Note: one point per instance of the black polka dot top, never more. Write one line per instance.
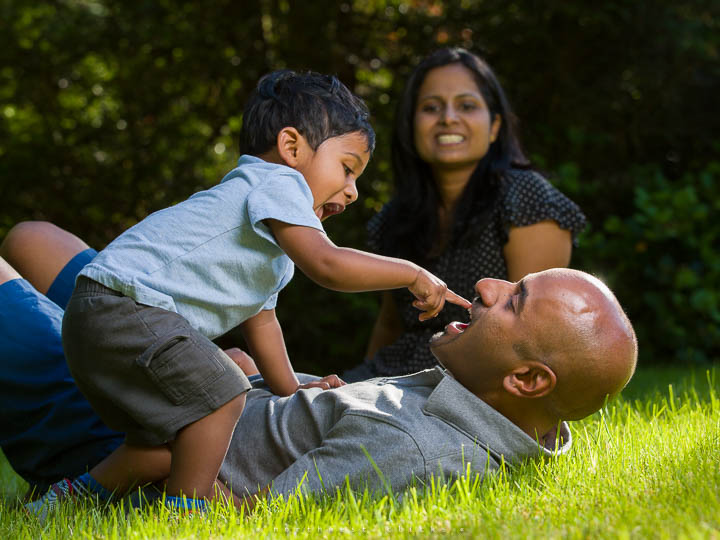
(527, 198)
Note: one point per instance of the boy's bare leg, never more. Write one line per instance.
(129, 465)
(199, 449)
(38, 250)
(191, 465)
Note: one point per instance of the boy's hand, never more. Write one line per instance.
(431, 293)
(326, 383)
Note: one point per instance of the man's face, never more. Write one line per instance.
(505, 317)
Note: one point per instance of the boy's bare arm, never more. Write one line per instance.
(264, 338)
(352, 270)
(337, 268)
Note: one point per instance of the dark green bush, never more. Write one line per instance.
(111, 109)
(663, 262)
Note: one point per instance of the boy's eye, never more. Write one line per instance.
(468, 106)
(348, 170)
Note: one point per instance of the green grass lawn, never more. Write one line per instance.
(647, 466)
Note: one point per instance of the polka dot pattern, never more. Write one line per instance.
(527, 198)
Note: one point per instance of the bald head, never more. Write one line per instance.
(554, 344)
(593, 349)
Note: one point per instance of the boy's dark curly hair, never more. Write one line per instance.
(318, 106)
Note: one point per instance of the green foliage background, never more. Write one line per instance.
(110, 110)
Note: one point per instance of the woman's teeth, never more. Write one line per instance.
(450, 139)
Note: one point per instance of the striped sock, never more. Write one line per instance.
(90, 486)
(185, 503)
(83, 486)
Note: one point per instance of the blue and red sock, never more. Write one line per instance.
(84, 486)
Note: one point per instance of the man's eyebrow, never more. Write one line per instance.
(523, 296)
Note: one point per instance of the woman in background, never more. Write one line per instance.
(466, 204)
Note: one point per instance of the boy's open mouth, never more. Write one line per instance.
(329, 209)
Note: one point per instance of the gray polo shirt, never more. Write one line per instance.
(414, 427)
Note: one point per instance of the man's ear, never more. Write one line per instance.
(531, 380)
(290, 145)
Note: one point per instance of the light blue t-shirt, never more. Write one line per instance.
(210, 258)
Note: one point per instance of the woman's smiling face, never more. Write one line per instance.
(453, 125)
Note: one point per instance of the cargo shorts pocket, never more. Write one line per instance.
(180, 366)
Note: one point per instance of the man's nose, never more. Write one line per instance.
(490, 289)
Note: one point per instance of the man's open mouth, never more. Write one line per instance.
(456, 327)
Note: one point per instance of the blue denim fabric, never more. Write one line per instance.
(48, 429)
(61, 289)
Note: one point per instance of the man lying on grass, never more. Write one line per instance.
(549, 348)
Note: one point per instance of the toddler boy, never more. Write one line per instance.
(137, 331)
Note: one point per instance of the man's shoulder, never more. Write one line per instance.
(421, 404)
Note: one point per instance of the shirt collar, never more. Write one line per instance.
(459, 407)
(247, 158)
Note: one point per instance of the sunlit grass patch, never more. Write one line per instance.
(646, 466)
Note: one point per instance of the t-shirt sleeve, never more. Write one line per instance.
(530, 198)
(284, 197)
(271, 302)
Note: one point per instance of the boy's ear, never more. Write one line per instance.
(531, 380)
(290, 145)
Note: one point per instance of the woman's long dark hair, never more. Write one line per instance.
(413, 219)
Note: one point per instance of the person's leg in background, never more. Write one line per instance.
(48, 430)
(48, 257)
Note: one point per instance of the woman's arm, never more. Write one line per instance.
(536, 247)
(388, 326)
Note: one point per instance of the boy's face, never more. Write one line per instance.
(332, 169)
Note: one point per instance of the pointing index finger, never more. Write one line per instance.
(457, 299)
